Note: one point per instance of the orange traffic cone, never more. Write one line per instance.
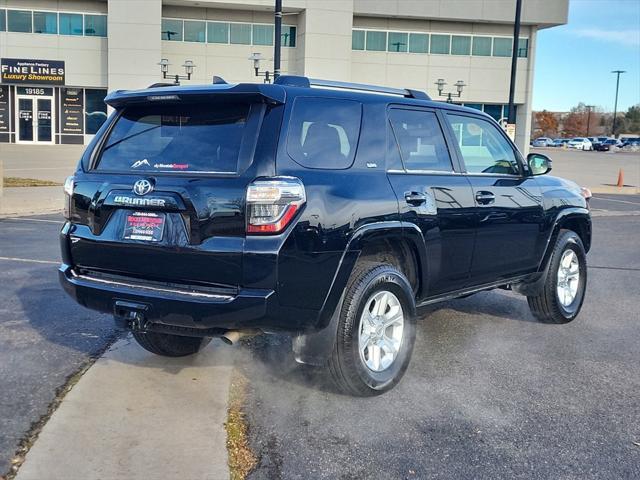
(620, 178)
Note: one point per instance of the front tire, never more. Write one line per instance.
(376, 331)
(565, 283)
(167, 345)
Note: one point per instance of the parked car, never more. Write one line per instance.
(594, 141)
(628, 142)
(228, 210)
(607, 145)
(559, 142)
(542, 142)
(580, 143)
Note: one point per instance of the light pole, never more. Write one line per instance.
(615, 106)
(514, 63)
(588, 107)
(188, 68)
(256, 57)
(458, 93)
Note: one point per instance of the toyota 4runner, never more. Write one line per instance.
(327, 210)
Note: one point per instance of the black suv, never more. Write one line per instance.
(331, 211)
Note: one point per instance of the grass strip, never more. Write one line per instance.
(241, 459)
(28, 182)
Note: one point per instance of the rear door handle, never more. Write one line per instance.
(485, 198)
(415, 198)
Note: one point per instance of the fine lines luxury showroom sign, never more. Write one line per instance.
(27, 71)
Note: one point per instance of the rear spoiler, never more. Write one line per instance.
(252, 92)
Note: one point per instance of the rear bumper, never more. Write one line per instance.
(249, 308)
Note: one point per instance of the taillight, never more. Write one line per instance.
(272, 203)
(69, 184)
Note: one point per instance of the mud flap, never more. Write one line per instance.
(316, 347)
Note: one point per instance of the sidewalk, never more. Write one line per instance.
(135, 415)
(31, 200)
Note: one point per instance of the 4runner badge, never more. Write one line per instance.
(142, 187)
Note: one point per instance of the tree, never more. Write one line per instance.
(632, 119)
(574, 123)
(547, 123)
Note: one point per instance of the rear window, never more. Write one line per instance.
(176, 138)
(323, 132)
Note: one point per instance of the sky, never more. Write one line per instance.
(574, 61)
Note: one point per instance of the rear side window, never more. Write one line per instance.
(175, 138)
(421, 140)
(323, 132)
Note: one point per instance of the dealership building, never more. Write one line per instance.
(59, 58)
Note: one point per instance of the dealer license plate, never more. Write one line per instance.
(146, 226)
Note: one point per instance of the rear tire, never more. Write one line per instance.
(373, 347)
(167, 345)
(565, 284)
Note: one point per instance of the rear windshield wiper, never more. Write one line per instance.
(130, 137)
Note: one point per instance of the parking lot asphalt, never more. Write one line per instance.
(490, 392)
(44, 335)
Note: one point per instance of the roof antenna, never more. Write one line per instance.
(218, 80)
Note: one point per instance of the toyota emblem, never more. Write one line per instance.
(142, 187)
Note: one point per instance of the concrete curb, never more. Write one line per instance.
(135, 415)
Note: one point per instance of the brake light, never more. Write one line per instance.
(69, 185)
(272, 203)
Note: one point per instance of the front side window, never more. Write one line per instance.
(95, 25)
(323, 132)
(19, 21)
(45, 22)
(421, 141)
(176, 138)
(484, 149)
(70, 24)
(195, 31)
(171, 30)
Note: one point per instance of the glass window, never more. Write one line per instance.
(440, 43)
(263, 34)
(70, 23)
(376, 41)
(218, 32)
(502, 47)
(398, 42)
(418, 43)
(357, 40)
(523, 47)
(45, 22)
(460, 45)
(19, 21)
(421, 141)
(288, 36)
(195, 31)
(95, 110)
(95, 25)
(240, 33)
(495, 111)
(483, 147)
(186, 137)
(323, 133)
(171, 30)
(476, 106)
(482, 46)
(3, 20)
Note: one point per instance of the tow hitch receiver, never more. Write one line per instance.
(130, 315)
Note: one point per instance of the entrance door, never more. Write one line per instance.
(35, 116)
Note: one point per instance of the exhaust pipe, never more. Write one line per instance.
(231, 337)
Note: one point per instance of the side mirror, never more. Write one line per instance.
(539, 164)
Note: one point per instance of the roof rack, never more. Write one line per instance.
(304, 82)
